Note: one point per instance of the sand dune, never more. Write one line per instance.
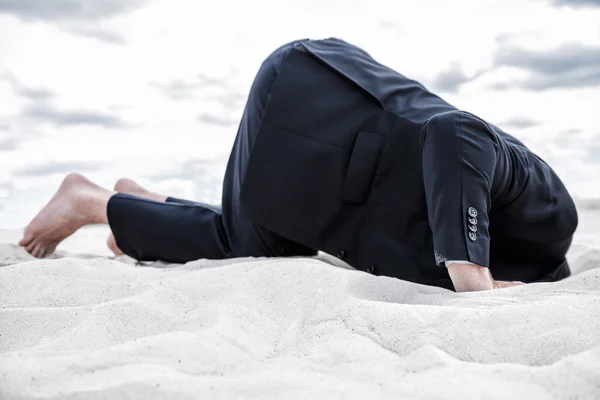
(83, 327)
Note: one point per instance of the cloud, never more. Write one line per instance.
(230, 100)
(40, 109)
(27, 92)
(573, 131)
(571, 65)
(196, 170)
(80, 17)
(206, 174)
(48, 114)
(178, 89)
(216, 119)
(103, 35)
(451, 79)
(577, 3)
(8, 144)
(206, 80)
(504, 85)
(68, 10)
(6, 190)
(57, 167)
(390, 26)
(520, 122)
(592, 152)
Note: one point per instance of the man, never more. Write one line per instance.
(338, 153)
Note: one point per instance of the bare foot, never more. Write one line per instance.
(506, 284)
(112, 245)
(77, 202)
(129, 186)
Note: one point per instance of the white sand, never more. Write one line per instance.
(82, 327)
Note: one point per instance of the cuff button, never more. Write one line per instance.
(473, 221)
(472, 212)
(472, 228)
(473, 236)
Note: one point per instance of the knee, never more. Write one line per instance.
(442, 130)
(267, 73)
(277, 56)
(457, 125)
(443, 122)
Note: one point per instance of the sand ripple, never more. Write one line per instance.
(91, 328)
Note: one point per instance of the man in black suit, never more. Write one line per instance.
(336, 152)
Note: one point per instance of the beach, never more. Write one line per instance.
(84, 325)
(154, 91)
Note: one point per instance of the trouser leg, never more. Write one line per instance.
(174, 232)
(246, 237)
(176, 200)
(181, 231)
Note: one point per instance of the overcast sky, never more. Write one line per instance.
(145, 87)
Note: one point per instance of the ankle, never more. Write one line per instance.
(90, 205)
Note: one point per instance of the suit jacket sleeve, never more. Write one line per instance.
(459, 153)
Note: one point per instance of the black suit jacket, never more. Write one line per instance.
(337, 166)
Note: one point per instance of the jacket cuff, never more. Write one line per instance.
(450, 262)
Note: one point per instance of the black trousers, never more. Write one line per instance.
(179, 231)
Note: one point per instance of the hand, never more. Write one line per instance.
(505, 284)
(472, 277)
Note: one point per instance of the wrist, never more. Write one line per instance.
(470, 277)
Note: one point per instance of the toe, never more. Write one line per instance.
(36, 251)
(50, 249)
(27, 239)
(125, 185)
(41, 251)
(31, 246)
